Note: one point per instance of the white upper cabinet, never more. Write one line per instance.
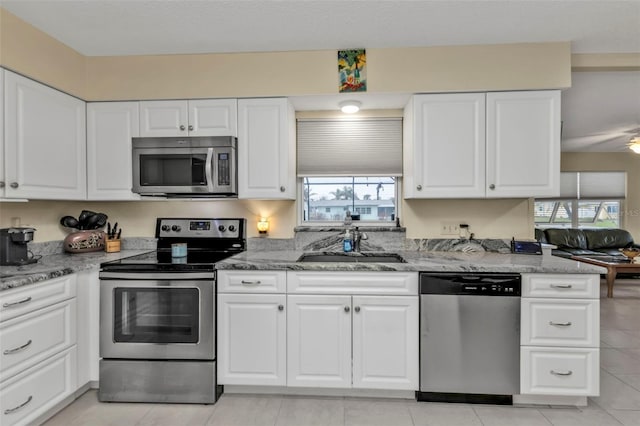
(205, 117)
(523, 144)
(266, 149)
(477, 145)
(110, 127)
(45, 142)
(445, 153)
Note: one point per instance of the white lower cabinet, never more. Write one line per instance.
(319, 341)
(560, 335)
(340, 341)
(38, 365)
(252, 339)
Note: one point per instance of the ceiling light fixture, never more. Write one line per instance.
(634, 144)
(350, 107)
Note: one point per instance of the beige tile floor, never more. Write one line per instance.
(618, 404)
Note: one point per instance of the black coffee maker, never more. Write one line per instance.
(13, 246)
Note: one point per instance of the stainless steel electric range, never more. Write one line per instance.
(158, 314)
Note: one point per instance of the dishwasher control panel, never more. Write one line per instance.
(480, 284)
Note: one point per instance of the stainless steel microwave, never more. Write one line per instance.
(185, 167)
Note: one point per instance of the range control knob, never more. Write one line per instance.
(165, 228)
(221, 228)
(176, 228)
(232, 228)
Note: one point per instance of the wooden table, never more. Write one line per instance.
(613, 267)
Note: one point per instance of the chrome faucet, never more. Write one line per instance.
(357, 236)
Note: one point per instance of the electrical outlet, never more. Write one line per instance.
(449, 228)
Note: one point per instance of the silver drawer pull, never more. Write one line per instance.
(561, 373)
(560, 324)
(18, 349)
(561, 286)
(11, 410)
(19, 302)
(250, 282)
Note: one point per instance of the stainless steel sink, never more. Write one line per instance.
(352, 257)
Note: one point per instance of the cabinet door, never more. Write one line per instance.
(445, 155)
(213, 117)
(88, 327)
(252, 339)
(163, 118)
(319, 341)
(385, 342)
(110, 127)
(523, 144)
(45, 142)
(266, 149)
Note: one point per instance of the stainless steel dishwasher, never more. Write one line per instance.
(469, 337)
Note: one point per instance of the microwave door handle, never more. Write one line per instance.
(208, 169)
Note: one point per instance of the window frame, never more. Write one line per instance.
(359, 223)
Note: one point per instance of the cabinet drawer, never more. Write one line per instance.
(25, 397)
(563, 371)
(560, 322)
(28, 298)
(334, 282)
(561, 285)
(31, 338)
(252, 281)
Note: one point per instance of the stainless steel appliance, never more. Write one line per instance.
(158, 317)
(13, 246)
(187, 167)
(469, 337)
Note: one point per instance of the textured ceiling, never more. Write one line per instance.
(139, 27)
(601, 112)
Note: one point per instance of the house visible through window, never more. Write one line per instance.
(587, 200)
(327, 199)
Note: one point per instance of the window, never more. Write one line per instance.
(327, 199)
(587, 200)
(577, 214)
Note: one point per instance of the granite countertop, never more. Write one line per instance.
(423, 261)
(57, 265)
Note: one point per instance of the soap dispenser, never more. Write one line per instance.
(347, 243)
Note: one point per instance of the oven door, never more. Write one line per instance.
(164, 318)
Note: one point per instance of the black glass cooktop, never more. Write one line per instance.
(200, 260)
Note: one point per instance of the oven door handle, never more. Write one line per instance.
(157, 276)
(208, 169)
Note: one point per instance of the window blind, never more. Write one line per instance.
(592, 186)
(364, 147)
(602, 185)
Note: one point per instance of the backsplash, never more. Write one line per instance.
(55, 247)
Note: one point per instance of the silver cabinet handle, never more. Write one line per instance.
(14, 185)
(419, 187)
(2, 184)
(19, 302)
(357, 309)
(561, 286)
(250, 282)
(347, 309)
(492, 186)
(182, 127)
(280, 307)
(190, 127)
(561, 373)
(282, 189)
(11, 410)
(560, 324)
(18, 349)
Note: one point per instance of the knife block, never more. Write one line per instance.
(112, 246)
